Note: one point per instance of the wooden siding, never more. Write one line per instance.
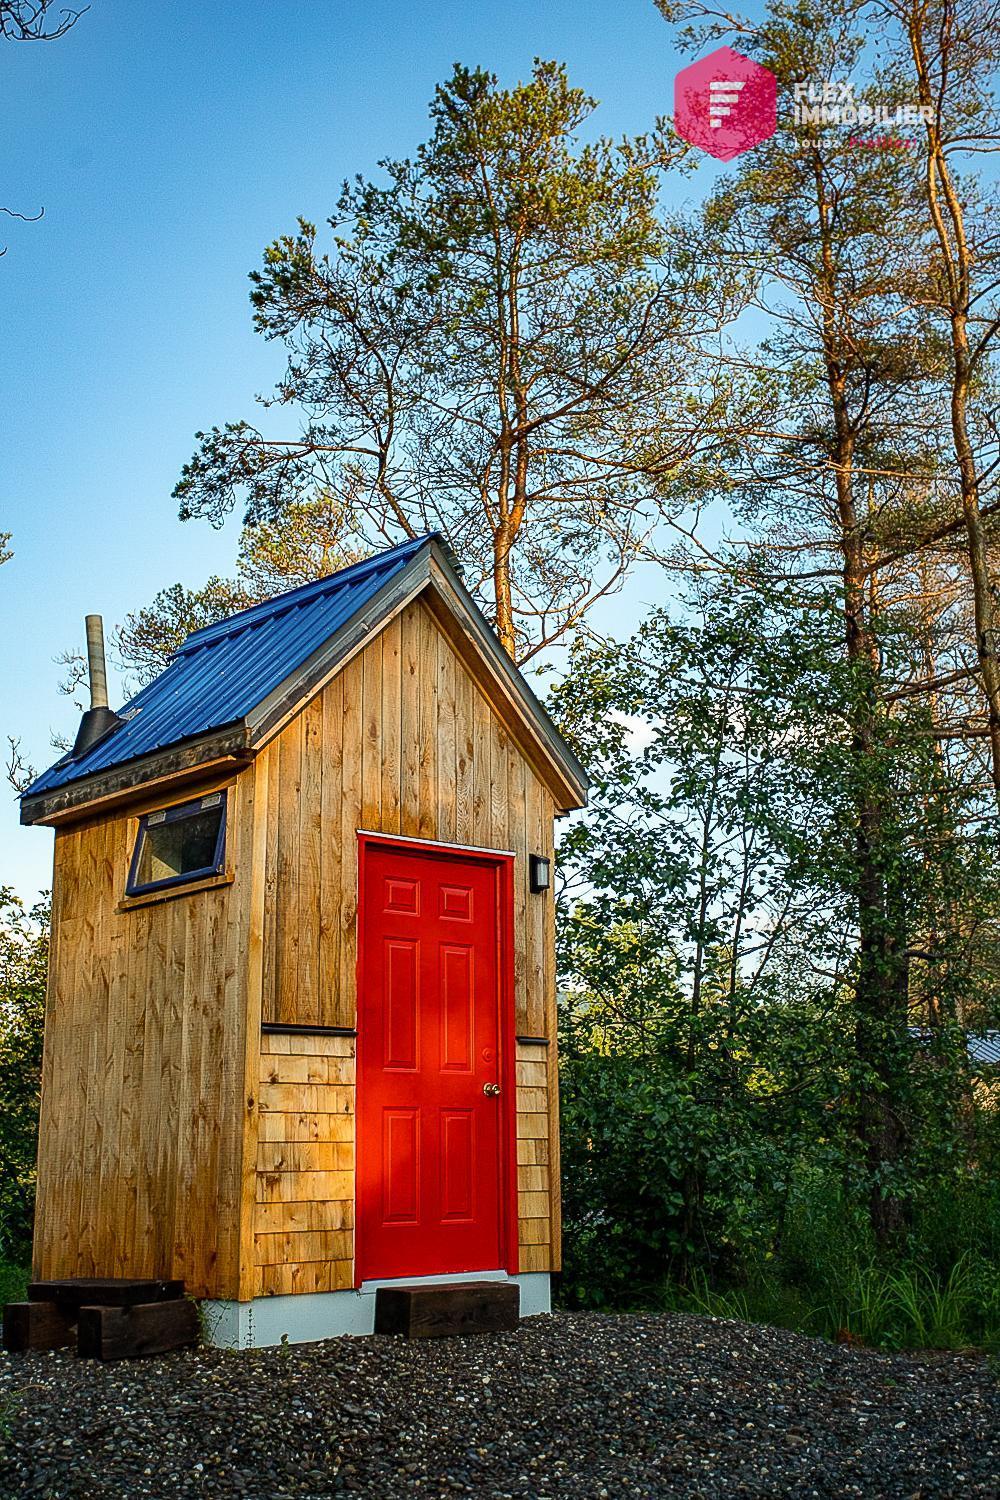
(534, 1160)
(303, 1219)
(159, 1115)
(304, 1209)
(402, 741)
(142, 1119)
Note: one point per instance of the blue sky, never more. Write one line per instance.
(168, 144)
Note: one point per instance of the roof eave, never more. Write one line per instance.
(197, 755)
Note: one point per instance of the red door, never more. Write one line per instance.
(432, 1099)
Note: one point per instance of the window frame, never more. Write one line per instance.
(175, 814)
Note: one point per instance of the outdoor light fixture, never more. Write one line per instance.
(538, 873)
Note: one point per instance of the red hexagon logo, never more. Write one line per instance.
(725, 103)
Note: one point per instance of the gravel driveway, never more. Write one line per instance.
(572, 1405)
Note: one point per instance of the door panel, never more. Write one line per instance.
(430, 1162)
(401, 1166)
(458, 1001)
(401, 1006)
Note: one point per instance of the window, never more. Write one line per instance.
(179, 844)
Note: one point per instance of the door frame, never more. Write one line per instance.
(502, 862)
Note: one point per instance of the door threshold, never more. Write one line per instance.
(373, 1285)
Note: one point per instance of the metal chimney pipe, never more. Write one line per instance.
(95, 662)
(98, 719)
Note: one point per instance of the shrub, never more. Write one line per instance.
(23, 964)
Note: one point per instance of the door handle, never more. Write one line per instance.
(491, 1090)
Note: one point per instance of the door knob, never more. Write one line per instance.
(491, 1090)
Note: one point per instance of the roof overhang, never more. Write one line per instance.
(429, 575)
(175, 765)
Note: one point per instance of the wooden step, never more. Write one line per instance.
(441, 1309)
(143, 1328)
(35, 1325)
(75, 1292)
(147, 1328)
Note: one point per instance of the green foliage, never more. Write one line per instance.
(13, 1283)
(712, 1057)
(23, 965)
(826, 1279)
(273, 556)
(498, 338)
(8, 1411)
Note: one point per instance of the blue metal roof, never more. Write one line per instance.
(222, 672)
(985, 1047)
(981, 1047)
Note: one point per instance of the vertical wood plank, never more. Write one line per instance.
(499, 831)
(465, 695)
(371, 749)
(270, 978)
(446, 743)
(428, 727)
(308, 1002)
(391, 727)
(350, 822)
(481, 825)
(289, 870)
(332, 1007)
(411, 682)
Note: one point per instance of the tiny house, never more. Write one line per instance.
(300, 1031)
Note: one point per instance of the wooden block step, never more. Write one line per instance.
(108, 1291)
(35, 1325)
(144, 1328)
(446, 1308)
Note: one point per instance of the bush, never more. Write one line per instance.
(23, 965)
(13, 1283)
(674, 1205)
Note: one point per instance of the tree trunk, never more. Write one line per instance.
(880, 990)
(948, 218)
(502, 592)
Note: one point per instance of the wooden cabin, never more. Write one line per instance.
(300, 1035)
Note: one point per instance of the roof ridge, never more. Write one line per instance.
(243, 619)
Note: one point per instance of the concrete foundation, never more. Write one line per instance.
(325, 1315)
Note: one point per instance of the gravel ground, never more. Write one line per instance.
(576, 1405)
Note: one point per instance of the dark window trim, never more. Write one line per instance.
(173, 815)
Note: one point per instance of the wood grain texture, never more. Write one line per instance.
(407, 743)
(537, 1184)
(303, 1218)
(173, 1135)
(402, 741)
(35, 1325)
(142, 1116)
(461, 1307)
(125, 1332)
(312, 1276)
